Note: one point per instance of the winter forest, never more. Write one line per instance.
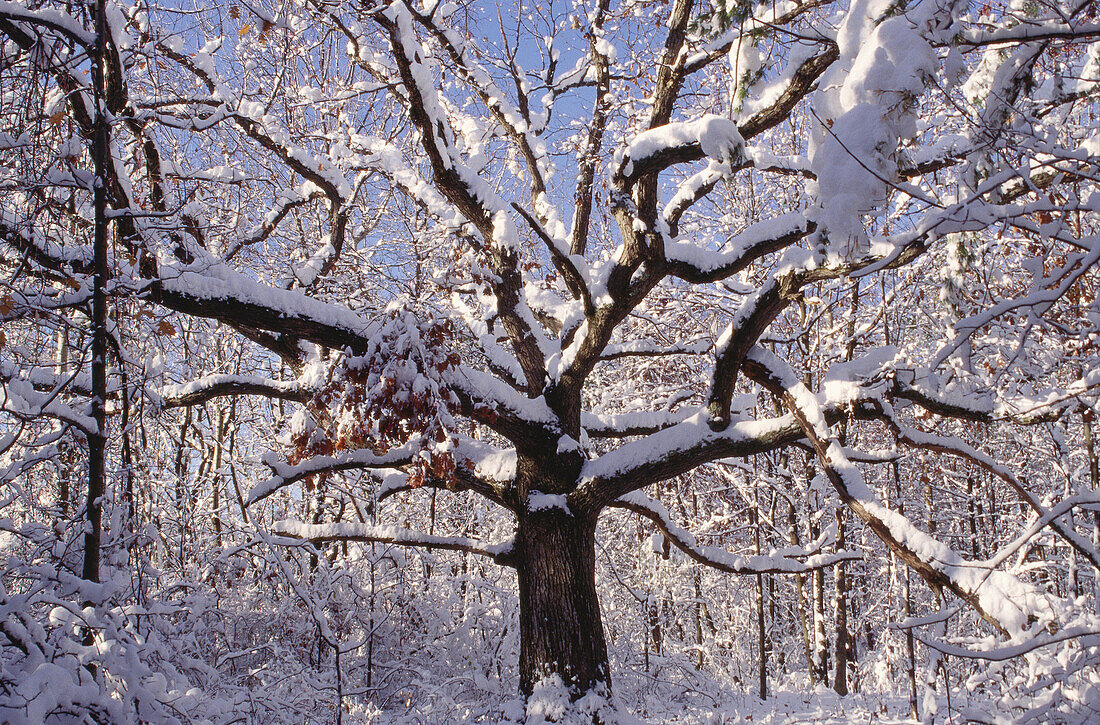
(578, 361)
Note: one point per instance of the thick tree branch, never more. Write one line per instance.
(396, 20)
(214, 386)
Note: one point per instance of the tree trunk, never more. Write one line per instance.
(560, 628)
(761, 627)
(821, 639)
(97, 439)
(65, 452)
(843, 638)
(221, 420)
(800, 586)
(1094, 481)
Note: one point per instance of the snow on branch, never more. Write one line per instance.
(789, 560)
(1042, 295)
(785, 93)
(223, 294)
(1026, 32)
(390, 535)
(625, 425)
(1087, 637)
(513, 120)
(998, 597)
(709, 136)
(675, 450)
(50, 19)
(271, 220)
(479, 467)
(286, 474)
(1051, 404)
(498, 405)
(471, 194)
(964, 407)
(694, 264)
(648, 348)
(565, 263)
(220, 385)
(953, 446)
(25, 399)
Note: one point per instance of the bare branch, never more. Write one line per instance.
(786, 561)
(391, 535)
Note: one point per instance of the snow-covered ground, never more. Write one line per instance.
(820, 707)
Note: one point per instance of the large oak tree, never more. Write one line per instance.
(462, 227)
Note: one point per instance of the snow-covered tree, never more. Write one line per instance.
(555, 258)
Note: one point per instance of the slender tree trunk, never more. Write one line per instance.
(910, 651)
(939, 630)
(800, 586)
(821, 639)
(64, 446)
(220, 422)
(907, 610)
(972, 516)
(1094, 481)
(561, 632)
(181, 489)
(761, 627)
(97, 439)
(843, 638)
(907, 606)
(1090, 448)
(698, 619)
(698, 594)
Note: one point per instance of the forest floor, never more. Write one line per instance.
(820, 707)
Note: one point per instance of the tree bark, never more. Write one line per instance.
(761, 627)
(843, 638)
(820, 638)
(561, 632)
(1094, 475)
(97, 439)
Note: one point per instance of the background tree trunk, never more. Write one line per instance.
(761, 627)
(843, 638)
(800, 589)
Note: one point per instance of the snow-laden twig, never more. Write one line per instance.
(790, 560)
(348, 531)
(287, 474)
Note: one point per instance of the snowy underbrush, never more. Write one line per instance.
(274, 635)
(1049, 685)
(1053, 676)
(74, 650)
(550, 704)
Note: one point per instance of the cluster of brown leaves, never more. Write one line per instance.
(387, 397)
